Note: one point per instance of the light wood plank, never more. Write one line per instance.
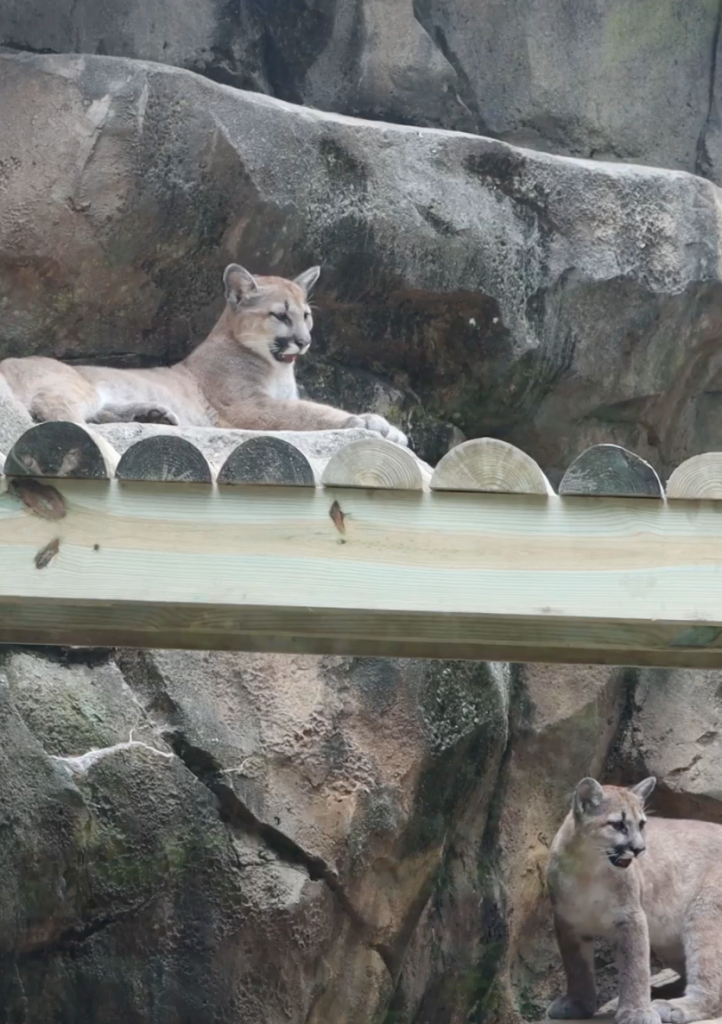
(490, 465)
(615, 581)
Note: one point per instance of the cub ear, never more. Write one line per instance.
(238, 285)
(644, 789)
(307, 279)
(587, 797)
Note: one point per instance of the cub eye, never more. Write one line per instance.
(641, 825)
(306, 315)
(618, 825)
(284, 318)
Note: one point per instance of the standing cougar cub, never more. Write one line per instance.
(241, 376)
(641, 883)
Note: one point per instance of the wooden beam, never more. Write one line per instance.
(510, 577)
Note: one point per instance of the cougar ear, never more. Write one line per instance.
(644, 789)
(238, 285)
(307, 279)
(587, 797)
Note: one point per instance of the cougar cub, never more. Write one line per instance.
(643, 883)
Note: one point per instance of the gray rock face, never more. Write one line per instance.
(554, 302)
(675, 732)
(612, 80)
(209, 837)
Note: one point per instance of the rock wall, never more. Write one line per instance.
(607, 79)
(466, 285)
(258, 840)
(215, 837)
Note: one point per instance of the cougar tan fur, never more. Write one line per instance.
(241, 376)
(642, 883)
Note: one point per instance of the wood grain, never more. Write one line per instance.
(487, 464)
(164, 457)
(61, 449)
(267, 460)
(374, 463)
(608, 470)
(413, 574)
(698, 478)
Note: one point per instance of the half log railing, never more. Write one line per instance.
(365, 552)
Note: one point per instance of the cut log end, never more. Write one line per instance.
(372, 463)
(490, 465)
(699, 478)
(267, 461)
(607, 471)
(63, 450)
(164, 457)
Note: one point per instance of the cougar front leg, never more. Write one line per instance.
(702, 999)
(635, 1001)
(578, 959)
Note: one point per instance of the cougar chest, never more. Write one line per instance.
(281, 385)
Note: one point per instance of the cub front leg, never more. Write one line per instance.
(578, 959)
(635, 1001)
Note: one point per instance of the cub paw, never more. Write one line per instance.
(564, 1008)
(675, 1012)
(637, 1017)
(371, 421)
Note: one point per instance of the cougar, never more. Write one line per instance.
(645, 884)
(242, 375)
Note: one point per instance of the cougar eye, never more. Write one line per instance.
(641, 825)
(618, 825)
(284, 318)
(306, 315)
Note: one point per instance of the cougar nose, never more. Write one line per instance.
(636, 850)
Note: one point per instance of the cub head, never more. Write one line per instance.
(270, 315)
(613, 818)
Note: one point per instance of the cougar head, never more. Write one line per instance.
(270, 315)
(613, 818)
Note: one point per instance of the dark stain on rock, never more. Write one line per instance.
(440, 225)
(502, 168)
(343, 166)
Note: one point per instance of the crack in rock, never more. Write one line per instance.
(703, 162)
(235, 813)
(76, 934)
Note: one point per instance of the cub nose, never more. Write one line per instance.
(636, 850)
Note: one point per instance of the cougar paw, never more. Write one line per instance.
(564, 1008)
(637, 1017)
(157, 415)
(371, 421)
(679, 1011)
